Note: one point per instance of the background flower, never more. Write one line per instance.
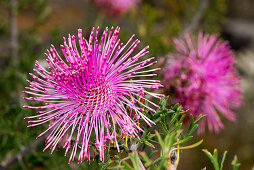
(116, 7)
(94, 90)
(203, 78)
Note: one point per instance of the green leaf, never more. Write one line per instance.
(213, 160)
(199, 118)
(151, 153)
(176, 128)
(126, 166)
(191, 129)
(215, 155)
(163, 102)
(160, 159)
(159, 138)
(222, 160)
(105, 165)
(183, 116)
(149, 144)
(164, 127)
(183, 140)
(135, 160)
(146, 158)
(159, 112)
(175, 107)
(174, 118)
(189, 146)
(191, 119)
(236, 164)
(163, 163)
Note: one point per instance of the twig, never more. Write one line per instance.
(22, 152)
(197, 18)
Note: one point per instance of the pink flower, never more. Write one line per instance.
(95, 90)
(116, 7)
(203, 79)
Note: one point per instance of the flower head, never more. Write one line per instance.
(203, 78)
(94, 90)
(116, 7)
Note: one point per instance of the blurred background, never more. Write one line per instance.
(28, 27)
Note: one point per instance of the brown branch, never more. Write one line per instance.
(197, 18)
(13, 29)
(22, 152)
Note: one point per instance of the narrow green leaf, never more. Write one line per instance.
(191, 130)
(174, 118)
(157, 120)
(210, 156)
(148, 144)
(175, 107)
(163, 163)
(164, 112)
(215, 154)
(126, 166)
(169, 140)
(222, 160)
(163, 102)
(236, 164)
(151, 153)
(134, 159)
(176, 128)
(183, 116)
(191, 119)
(169, 112)
(146, 158)
(159, 138)
(183, 140)
(164, 127)
(105, 165)
(189, 146)
(200, 117)
(153, 141)
(160, 159)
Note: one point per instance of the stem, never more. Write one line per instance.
(133, 147)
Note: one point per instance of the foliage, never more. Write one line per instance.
(168, 142)
(218, 165)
